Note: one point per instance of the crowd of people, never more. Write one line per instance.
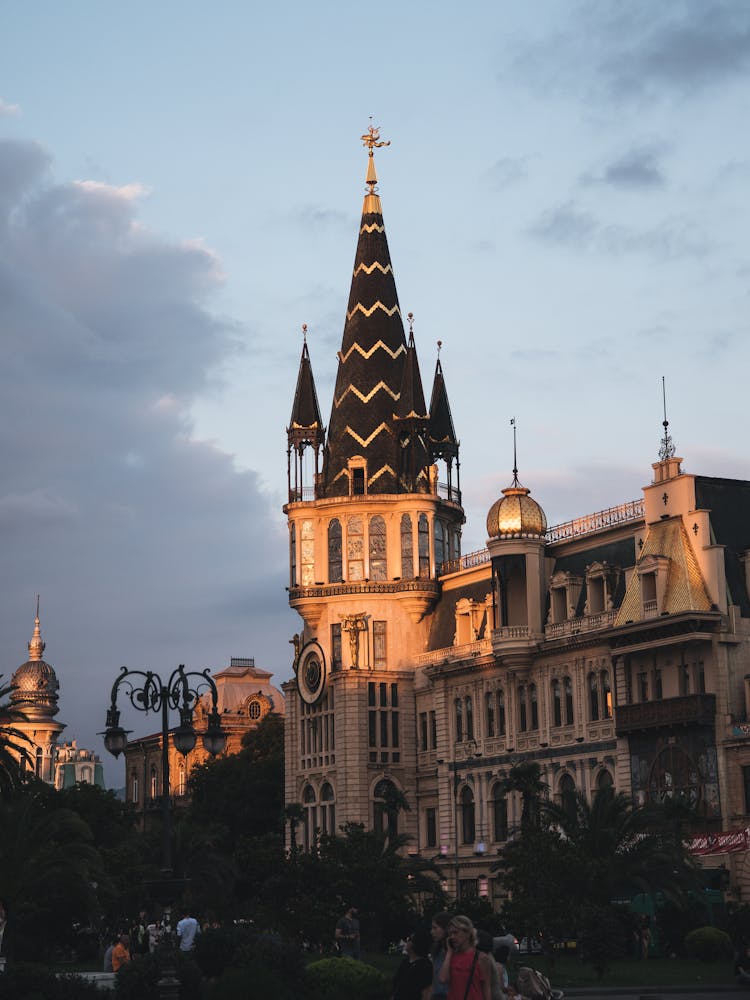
(143, 937)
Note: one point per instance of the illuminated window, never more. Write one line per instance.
(307, 554)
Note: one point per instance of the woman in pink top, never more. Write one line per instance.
(465, 969)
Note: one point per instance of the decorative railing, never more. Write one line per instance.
(365, 587)
(450, 493)
(471, 559)
(462, 652)
(621, 514)
(587, 623)
(699, 709)
(511, 632)
(302, 493)
(650, 609)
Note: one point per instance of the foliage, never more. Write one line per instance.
(234, 984)
(26, 981)
(13, 743)
(481, 914)
(675, 920)
(343, 978)
(708, 944)
(602, 936)
(138, 979)
(214, 950)
(526, 778)
(48, 867)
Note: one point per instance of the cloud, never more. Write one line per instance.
(638, 168)
(148, 546)
(567, 225)
(9, 110)
(506, 172)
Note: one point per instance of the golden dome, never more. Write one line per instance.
(516, 515)
(35, 684)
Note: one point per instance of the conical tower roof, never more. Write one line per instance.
(305, 423)
(371, 359)
(410, 404)
(441, 431)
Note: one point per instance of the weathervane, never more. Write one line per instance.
(372, 139)
(666, 448)
(515, 462)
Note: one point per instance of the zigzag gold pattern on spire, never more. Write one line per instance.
(372, 227)
(381, 472)
(368, 269)
(365, 398)
(401, 349)
(368, 312)
(364, 442)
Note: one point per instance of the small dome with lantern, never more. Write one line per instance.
(515, 514)
(35, 684)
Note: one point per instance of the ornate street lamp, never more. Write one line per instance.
(150, 694)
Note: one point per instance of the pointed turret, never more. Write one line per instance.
(371, 360)
(305, 428)
(411, 420)
(441, 434)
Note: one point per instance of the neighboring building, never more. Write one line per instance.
(74, 764)
(245, 695)
(614, 649)
(35, 694)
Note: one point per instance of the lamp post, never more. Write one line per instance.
(148, 693)
(472, 753)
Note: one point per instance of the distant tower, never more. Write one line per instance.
(35, 694)
(366, 547)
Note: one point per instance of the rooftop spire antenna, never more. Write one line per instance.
(304, 333)
(666, 448)
(440, 344)
(515, 461)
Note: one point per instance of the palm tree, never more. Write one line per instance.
(526, 778)
(12, 742)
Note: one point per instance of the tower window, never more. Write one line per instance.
(378, 566)
(407, 548)
(423, 544)
(358, 482)
(335, 573)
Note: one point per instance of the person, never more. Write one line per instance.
(438, 932)
(121, 953)
(464, 968)
(413, 979)
(742, 966)
(155, 932)
(484, 945)
(347, 933)
(187, 930)
(107, 961)
(502, 953)
(645, 937)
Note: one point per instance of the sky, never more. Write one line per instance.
(565, 197)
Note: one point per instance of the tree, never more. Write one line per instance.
(13, 742)
(526, 778)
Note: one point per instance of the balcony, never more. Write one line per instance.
(692, 709)
(574, 626)
(418, 585)
(452, 654)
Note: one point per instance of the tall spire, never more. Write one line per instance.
(36, 646)
(305, 428)
(411, 420)
(371, 359)
(442, 433)
(666, 447)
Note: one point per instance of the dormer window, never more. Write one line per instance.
(357, 476)
(601, 581)
(565, 589)
(652, 573)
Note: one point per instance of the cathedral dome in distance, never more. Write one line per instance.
(35, 684)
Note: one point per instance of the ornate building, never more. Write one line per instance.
(245, 695)
(35, 694)
(613, 649)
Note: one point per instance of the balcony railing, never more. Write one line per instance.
(478, 558)
(462, 652)
(511, 632)
(698, 709)
(364, 587)
(449, 493)
(574, 626)
(621, 514)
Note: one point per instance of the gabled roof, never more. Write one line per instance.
(685, 587)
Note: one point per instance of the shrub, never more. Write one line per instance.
(25, 981)
(254, 979)
(215, 949)
(708, 944)
(284, 960)
(138, 979)
(343, 978)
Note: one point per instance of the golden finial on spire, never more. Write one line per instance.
(410, 317)
(440, 344)
(36, 646)
(304, 333)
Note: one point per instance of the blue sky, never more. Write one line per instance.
(566, 204)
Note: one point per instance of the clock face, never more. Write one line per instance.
(311, 672)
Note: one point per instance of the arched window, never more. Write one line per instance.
(378, 567)
(604, 780)
(489, 712)
(293, 555)
(534, 706)
(423, 546)
(568, 687)
(327, 810)
(469, 718)
(153, 781)
(134, 790)
(468, 826)
(407, 548)
(593, 697)
(384, 815)
(459, 721)
(500, 712)
(499, 814)
(522, 708)
(39, 762)
(355, 550)
(556, 703)
(307, 554)
(311, 817)
(568, 794)
(439, 544)
(606, 694)
(335, 566)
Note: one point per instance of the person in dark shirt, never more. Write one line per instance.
(413, 979)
